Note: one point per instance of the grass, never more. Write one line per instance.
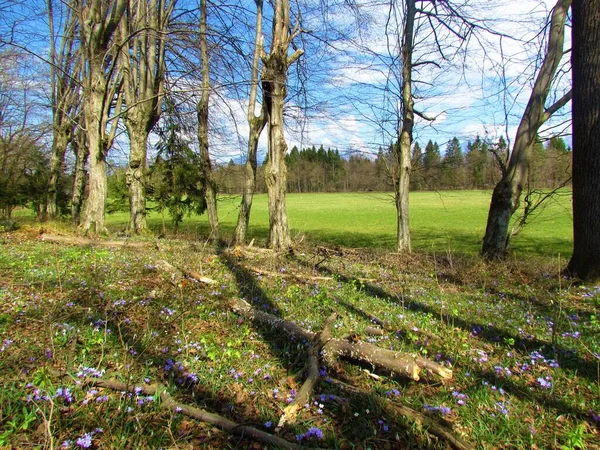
(522, 341)
(448, 220)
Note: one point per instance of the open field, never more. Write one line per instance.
(440, 221)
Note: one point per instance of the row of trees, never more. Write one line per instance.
(114, 63)
(320, 170)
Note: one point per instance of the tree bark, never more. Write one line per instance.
(256, 125)
(136, 179)
(585, 262)
(507, 193)
(59, 148)
(274, 84)
(79, 179)
(209, 187)
(405, 144)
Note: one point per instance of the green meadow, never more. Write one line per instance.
(440, 221)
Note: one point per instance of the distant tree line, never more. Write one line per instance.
(476, 167)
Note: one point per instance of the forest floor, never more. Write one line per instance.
(101, 347)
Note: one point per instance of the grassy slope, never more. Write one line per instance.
(449, 220)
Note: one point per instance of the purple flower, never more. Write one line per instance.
(595, 416)
(84, 441)
(545, 383)
(268, 424)
(314, 431)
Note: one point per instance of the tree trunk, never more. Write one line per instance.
(256, 124)
(507, 193)
(136, 179)
(274, 90)
(93, 216)
(274, 84)
(143, 66)
(81, 157)
(241, 229)
(585, 262)
(59, 148)
(405, 144)
(98, 21)
(208, 184)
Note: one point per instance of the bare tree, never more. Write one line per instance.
(402, 151)
(99, 19)
(256, 125)
(143, 65)
(585, 262)
(209, 187)
(64, 61)
(274, 86)
(507, 193)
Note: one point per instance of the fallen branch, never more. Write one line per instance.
(303, 396)
(428, 424)
(399, 363)
(168, 402)
(267, 273)
(177, 273)
(73, 240)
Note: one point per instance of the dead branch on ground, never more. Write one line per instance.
(168, 402)
(303, 397)
(178, 273)
(73, 240)
(428, 424)
(399, 363)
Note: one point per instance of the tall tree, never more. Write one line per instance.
(274, 85)
(99, 19)
(256, 125)
(585, 58)
(209, 187)
(402, 181)
(64, 61)
(143, 65)
(507, 192)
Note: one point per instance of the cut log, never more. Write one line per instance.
(398, 363)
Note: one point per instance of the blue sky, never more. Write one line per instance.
(348, 95)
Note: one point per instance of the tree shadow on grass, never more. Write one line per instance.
(568, 360)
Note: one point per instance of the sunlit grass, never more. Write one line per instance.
(440, 221)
